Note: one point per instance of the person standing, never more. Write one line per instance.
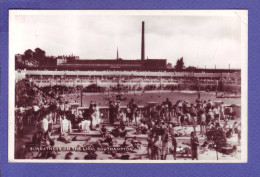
(135, 108)
(111, 112)
(194, 145)
(239, 135)
(203, 124)
(128, 115)
(216, 114)
(222, 111)
(174, 145)
(193, 117)
(171, 129)
(169, 108)
(165, 138)
(117, 110)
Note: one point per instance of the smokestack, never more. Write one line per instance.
(143, 46)
(117, 56)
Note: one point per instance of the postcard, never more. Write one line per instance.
(128, 86)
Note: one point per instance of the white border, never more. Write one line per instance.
(242, 14)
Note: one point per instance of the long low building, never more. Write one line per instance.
(132, 74)
(142, 79)
(149, 64)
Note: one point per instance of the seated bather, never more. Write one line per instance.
(91, 155)
(119, 131)
(68, 156)
(126, 143)
(103, 131)
(84, 126)
(122, 131)
(136, 143)
(64, 137)
(49, 153)
(108, 141)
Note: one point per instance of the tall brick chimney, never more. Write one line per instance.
(143, 46)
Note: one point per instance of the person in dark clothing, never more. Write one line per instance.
(129, 114)
(22, 153)
(122, 131)
(90, 112)
(194, 145)
(110, 140)
(111, 112)
(126, 143)
(68, 156)
(87, 116)
(168, 102)
(164, 151)
(174, 144)
(170, 107)
(90, 156)
(50, 152)
(103, 131)
(155, 148)
(131, 105)
(136, 143)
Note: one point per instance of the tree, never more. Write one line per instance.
(191, 68)
(179, 64)
(39, 55)
(28, 55)
(169, 65)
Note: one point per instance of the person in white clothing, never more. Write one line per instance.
(222, 111)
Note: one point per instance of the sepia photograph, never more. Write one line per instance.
(128, 86)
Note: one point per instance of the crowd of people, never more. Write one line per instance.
(161, 123)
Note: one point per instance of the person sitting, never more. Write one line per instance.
(115, 132)
(122, 131)
(91, 155)
(122, 116)
(50, 152)
(229, 133)
(65, 138)
(22, 153)
(68, 156)
(136, 143)
(235, 127)
(228, 150)
(37, 138)
(109, 140)
(126, 143)
(125, 157)
(144, 128)
(103, 131)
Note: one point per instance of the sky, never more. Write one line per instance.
(202, 41)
